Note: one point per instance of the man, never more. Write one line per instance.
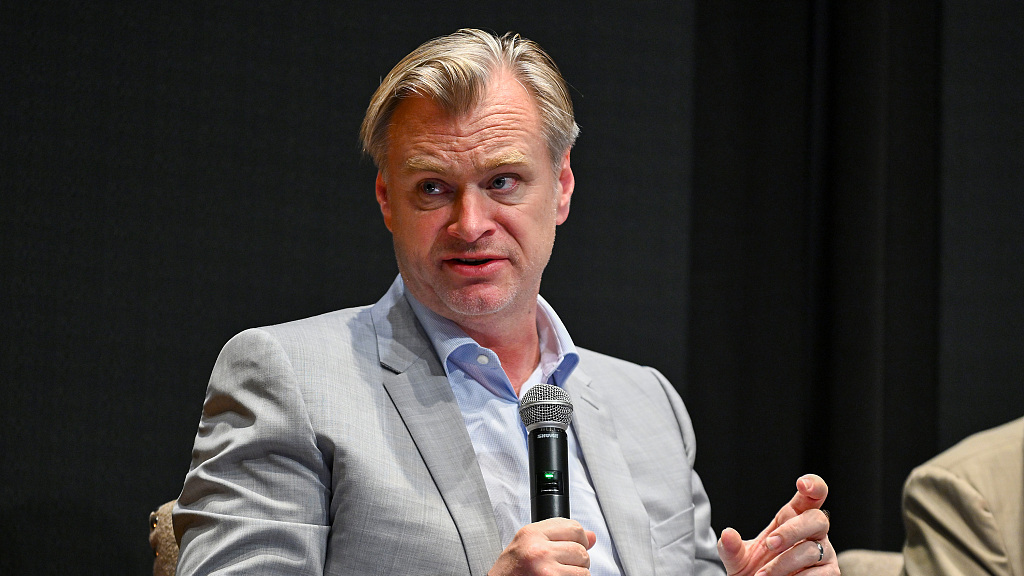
(385, 440)
(964, 509)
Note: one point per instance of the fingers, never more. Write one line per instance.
(553, 546)
(732, 551)
(799, 544)
(788, 543)
(811, 525)
(810, 557)
(563, 530)
(811, 492)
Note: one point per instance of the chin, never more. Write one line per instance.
(478, 303)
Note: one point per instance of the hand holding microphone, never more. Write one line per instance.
(552, 544)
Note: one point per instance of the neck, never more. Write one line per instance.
(515, 341)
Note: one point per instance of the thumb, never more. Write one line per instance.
(731, 550)
(591, 539)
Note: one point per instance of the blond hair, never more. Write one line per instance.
(453, 71)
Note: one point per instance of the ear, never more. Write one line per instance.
(566, 184)
(381, 189)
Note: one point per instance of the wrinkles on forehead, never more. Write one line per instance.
(503, 129)
(427, 164)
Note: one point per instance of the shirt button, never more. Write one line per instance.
(482, 359)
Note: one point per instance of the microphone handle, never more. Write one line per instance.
(549, 473)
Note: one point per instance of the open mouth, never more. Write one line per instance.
(472, 261)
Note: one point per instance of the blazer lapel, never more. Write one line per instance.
(419, 388)
(623, 510)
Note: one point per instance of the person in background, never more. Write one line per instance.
(964, 509)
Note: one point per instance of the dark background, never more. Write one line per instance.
(807, 214)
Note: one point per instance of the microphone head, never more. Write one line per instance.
(545, 405)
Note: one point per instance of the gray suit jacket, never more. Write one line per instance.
(335, 445)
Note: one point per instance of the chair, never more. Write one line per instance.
(161, 539)
(858, 562)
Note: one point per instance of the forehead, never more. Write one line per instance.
(503, 127)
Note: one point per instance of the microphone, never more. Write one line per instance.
(546, 411)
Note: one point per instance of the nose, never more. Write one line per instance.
(472, 216)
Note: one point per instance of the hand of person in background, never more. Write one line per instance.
(796, 542)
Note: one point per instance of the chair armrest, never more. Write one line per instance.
(857, 562)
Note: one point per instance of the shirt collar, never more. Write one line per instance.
(558, 357)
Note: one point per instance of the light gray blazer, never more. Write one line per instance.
(334, 445)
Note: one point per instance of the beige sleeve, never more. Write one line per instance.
(950, 527)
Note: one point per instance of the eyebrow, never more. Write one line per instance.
(505, 159)
(424, 164)
(421, 164)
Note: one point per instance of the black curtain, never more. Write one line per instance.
(855, 300)
(806, 214)
(821, 302)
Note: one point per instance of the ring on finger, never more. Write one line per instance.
(821, 551)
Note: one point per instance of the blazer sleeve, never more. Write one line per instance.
(950, 527)
(707, 561)
(255, 500)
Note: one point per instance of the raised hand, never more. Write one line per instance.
(796, 541)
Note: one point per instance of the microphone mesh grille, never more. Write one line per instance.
(545, 403)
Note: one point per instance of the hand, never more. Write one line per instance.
(789, 545)
(552, 546)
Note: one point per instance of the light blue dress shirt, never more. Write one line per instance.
(490, 409)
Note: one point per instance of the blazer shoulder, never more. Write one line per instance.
(340, 327)
(340, 343)
(346, 319)
(969, 497)
(993, 448)
(991, 461)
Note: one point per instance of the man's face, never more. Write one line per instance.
(472, 203)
